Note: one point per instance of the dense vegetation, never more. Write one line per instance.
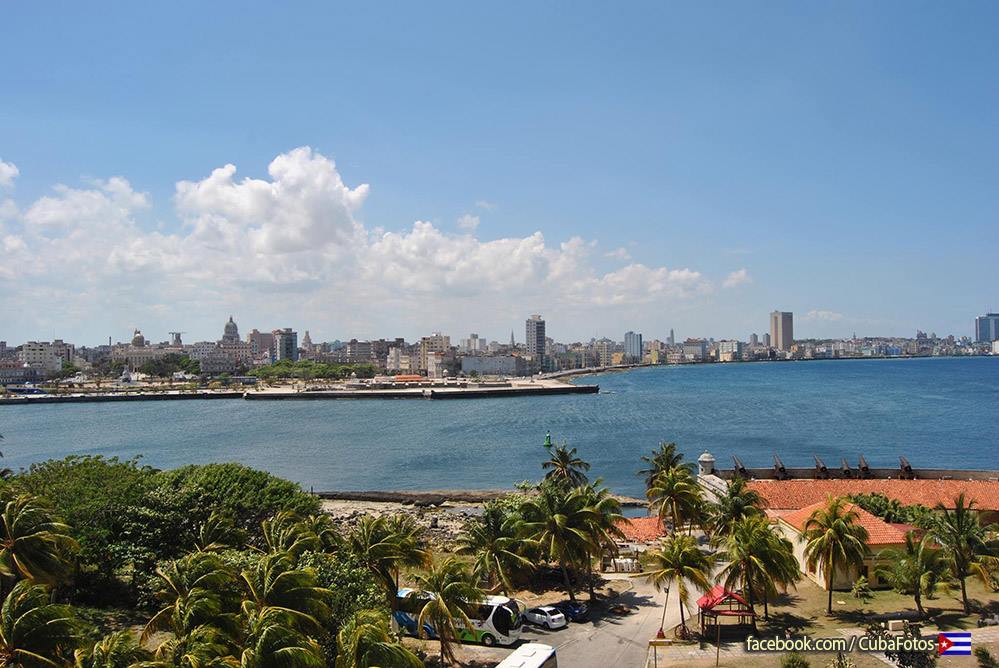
(222, 565)
(170, 364)
(310, 369)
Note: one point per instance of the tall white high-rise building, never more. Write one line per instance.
(782, 330)
(536, 336)
(633, 346)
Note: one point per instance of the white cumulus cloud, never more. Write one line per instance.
(292, 244)
(737, 278)
(8, 172)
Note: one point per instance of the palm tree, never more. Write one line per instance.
(325, 531)
(964, 540)
(675, 495)
(271, 639)
(275, 584)
(202, 647)
(493, 540)
(284, 532)
(604, 525)
(758, 560)
(919, 569)
(218, 532)
(665, 458)
(678, 562)
(565, 468)
(452, 591)
(35, 633)
(196, 590)
(366, 641)
(385, 547)
(117, 650)
(409, 547)
(737, 502)
(33, 544)
(834, 540)
(559, 521)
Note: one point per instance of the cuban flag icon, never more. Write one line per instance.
(954, 644)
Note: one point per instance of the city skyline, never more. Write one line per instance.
(691, 173)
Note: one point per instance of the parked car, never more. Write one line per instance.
(574, 611)
(547, 616)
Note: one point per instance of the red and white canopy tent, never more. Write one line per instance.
(720, 602)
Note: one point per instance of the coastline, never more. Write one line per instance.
(539, 387)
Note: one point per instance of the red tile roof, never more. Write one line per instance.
(717, 595)
(794, 494)
(879, 532)
(641, 529)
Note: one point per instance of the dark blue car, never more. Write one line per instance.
(574, 611)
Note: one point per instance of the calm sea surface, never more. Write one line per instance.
(937, 412)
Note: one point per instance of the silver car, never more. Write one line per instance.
(547, 616)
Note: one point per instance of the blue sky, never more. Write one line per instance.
(687, 165)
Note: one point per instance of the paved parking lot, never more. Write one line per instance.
(607, 640)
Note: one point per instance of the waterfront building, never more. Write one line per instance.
(729, 351)
(986, 328)
(359, 352)
(285, 344)
(695, 350)
(261, 343)
(435, 343)
(3, 349)
(633, 346)
(535, 328)
(473, 345)
(494, 365)
(46, 357)
(605, 351)
(754, 340)
(13, 371)
(138, 352)
(672, 337)
(766, 340)
(397, 358)
(782, 330)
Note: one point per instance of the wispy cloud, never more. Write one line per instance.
(827, 316)
(619, 254)
(468, 222)
(737, 278)
(485, 204)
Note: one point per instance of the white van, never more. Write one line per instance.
(531, 655)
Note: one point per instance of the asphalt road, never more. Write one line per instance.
(607, 640)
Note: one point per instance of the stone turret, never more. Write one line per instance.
(706, 464)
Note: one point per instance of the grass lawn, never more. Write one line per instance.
(804, 609)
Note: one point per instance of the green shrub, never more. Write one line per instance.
(794, 660)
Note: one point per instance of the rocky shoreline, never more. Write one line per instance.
(442, 513)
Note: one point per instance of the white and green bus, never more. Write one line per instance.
(531, 655)
(496, 620)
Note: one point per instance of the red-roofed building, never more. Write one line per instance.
(881, 536)
(644, 530)
(795, 494)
